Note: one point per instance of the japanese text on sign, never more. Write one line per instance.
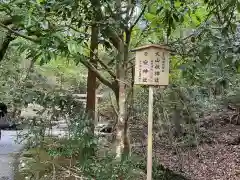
(152, 66)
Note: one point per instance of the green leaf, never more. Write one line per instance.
(233, 26)
(72, 47)
(175, 17)
(206, 50)
(40, 1)
(150, 16)
(17, 18)
(42, 61)
(238, 7)
(159, 10)
(182, 19)
(152, 9)
(198, 18)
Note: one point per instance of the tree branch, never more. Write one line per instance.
(106, 68)
(87, 64)
(98, 75)
(113, 37)
(18, 34)
(138, 18)
(7, 21)
(103, 65)
(111, 34)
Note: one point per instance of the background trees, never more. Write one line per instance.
(78, 43)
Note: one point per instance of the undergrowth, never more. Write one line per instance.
(77, 156)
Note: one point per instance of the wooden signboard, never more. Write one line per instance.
(151, 69)
(152, 65)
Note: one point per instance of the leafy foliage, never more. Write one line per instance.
(51, 42)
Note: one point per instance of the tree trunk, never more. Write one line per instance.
(92, 80)
(122, 137)
(130, 97)
(5, 44)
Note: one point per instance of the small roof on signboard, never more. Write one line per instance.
(152, 45)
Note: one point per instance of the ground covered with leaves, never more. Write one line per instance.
(213, 153)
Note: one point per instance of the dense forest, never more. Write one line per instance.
(69, 66)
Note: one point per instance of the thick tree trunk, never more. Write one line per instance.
(122, 139)
(123, 147)
(91, 80)
(122, 131)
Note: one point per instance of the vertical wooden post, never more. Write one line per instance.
(150, 127)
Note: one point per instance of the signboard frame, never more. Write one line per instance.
(152, 65)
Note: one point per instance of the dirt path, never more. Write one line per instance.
(8, 149)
